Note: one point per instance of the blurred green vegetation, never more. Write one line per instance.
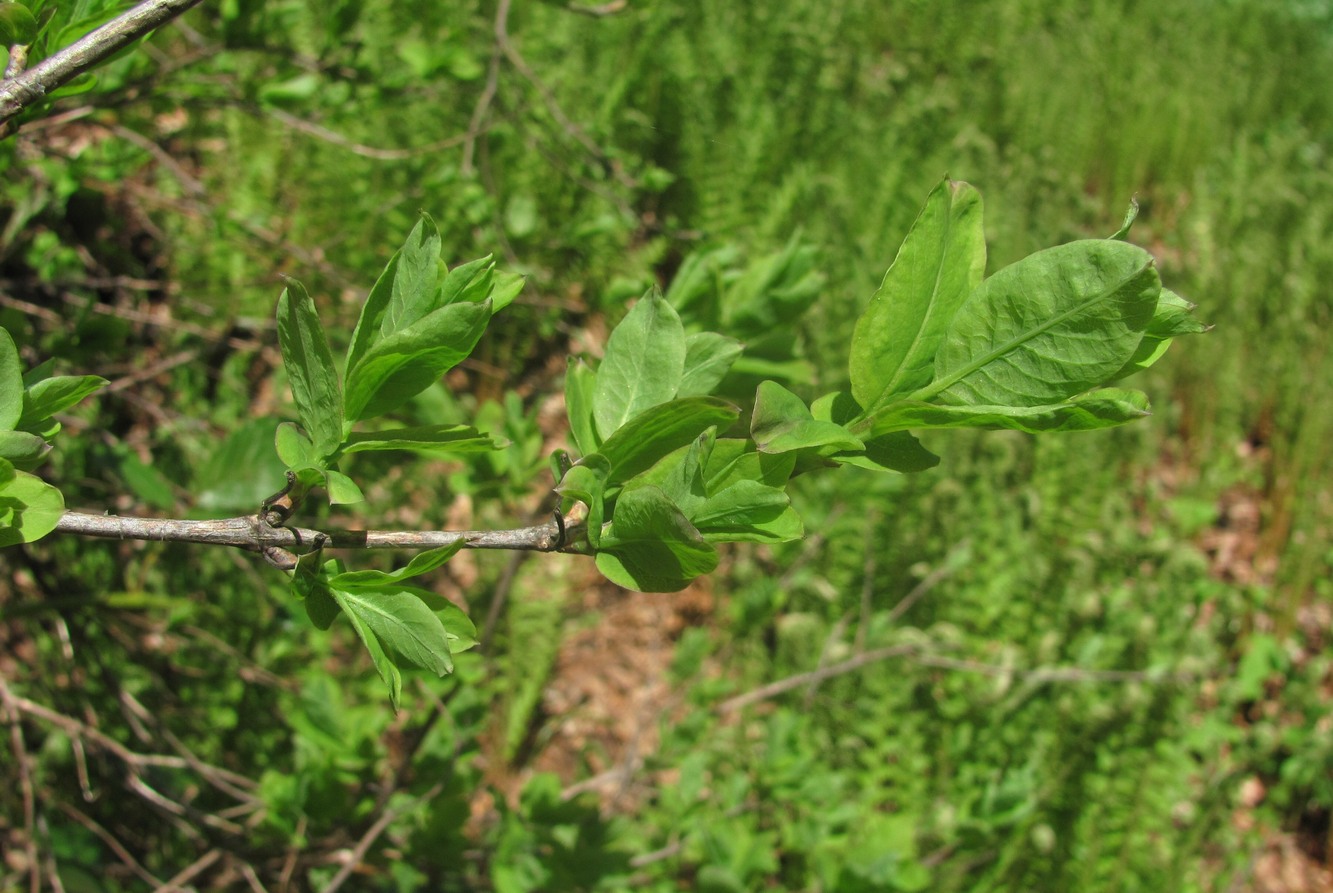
(1113, 641)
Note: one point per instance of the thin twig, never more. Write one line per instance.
(318, 131)
(112, 843)
(372, 834)
(253, 533)
(21, 91)
(25, 785)
(190, 871)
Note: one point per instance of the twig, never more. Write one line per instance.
(253, 533)
(1036, 676)
(25, 785)
(21, 91)
(372, 834)
(318, 131)
(112, 843)
(187, 874)
(483, 106)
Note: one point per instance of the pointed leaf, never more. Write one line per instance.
(650, 546)
(782, 423)
(294, 448)
(416, 282)
(748, 511)
(384, 664)
(23, 449)
(898, 452)
(733, 459)
(437, 438)
(469, 282)
(644, 362)
(1053, 325)
(397, 368)
(708, 358)
(367, 330)
(939, 264)
(505, 288)
(422, 563)
(1130, 216)
(11, 383)
(402, 622)
(342, 489)
(580, 381)
(310, 583)
(309, 365)
(1102, 408)
(49, 396)
(661, 430)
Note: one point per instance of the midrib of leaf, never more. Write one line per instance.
(948, 381)
(910, 355)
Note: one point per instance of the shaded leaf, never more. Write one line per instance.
(342, 489)
(49, 396)
(384, 665)
(30, 508)
(402, 622)
(782, 423)
(422, 563)
(650, 546)
(23, 449)
(661, 430)
(708, 358)
(734, 459)
(1103, 408)
(11, 383)
(580, 382)
(748, 511)
(309, 365)
(441, 438)
(368, 324)
(294, 448)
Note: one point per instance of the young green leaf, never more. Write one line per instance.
(416, 283)
(367, 330)
(733, 459)
(505, 288)
(401, 621)
(586, 482)
(469, 282)
(11, 383)
(644, 362)
(23, 449)
(782, 423)
(310, 583)
(1053, 325)
(436, 438)
(580, 382)
(939, 264)
(1103, 408)
(49, 396)
(294, 448)
(310, 369)
(342, 489)
(708, 358)
(748, 511)
(384, 664)
(661, 430)
(30, 508)
(897, 452)
(651, 546)
(397, 368)
(422, 563)
(1130, 216)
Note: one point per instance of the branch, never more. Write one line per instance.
(255, 534)
(21, 91)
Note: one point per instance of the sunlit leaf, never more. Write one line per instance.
(310, 369)
(644, 362)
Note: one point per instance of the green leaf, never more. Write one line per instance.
(1048, 327)
(773, 291)
(1172, 318)
(734, 459)
(748, 511)
(416, 281)
(580, 381)
(49, 396)
(506, 288)
(7, 472)
(661, 430)
(30, 508)
(644, 362)
(11, 383)
(310, 583)
(241, 470)
(384, 664)
(1130, 216)
(23, 449)
(708, 358)
(782, 423)
(897, 451)
(368, 324)
(458, 626)
(342, 489)
(469, 282)
(294, 448)
(1102, 408)
(402, 622)
(17, 25)
(939, 264)
(586, 482)
(397, 368)
(651, 546)
(421, 563)
(436, 438)
(309, 365)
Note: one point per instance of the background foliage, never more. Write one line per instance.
(1094, 662)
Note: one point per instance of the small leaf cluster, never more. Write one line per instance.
(418, 322)
(1035, 347)
(30, 507)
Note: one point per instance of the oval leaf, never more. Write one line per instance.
(644, 362)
